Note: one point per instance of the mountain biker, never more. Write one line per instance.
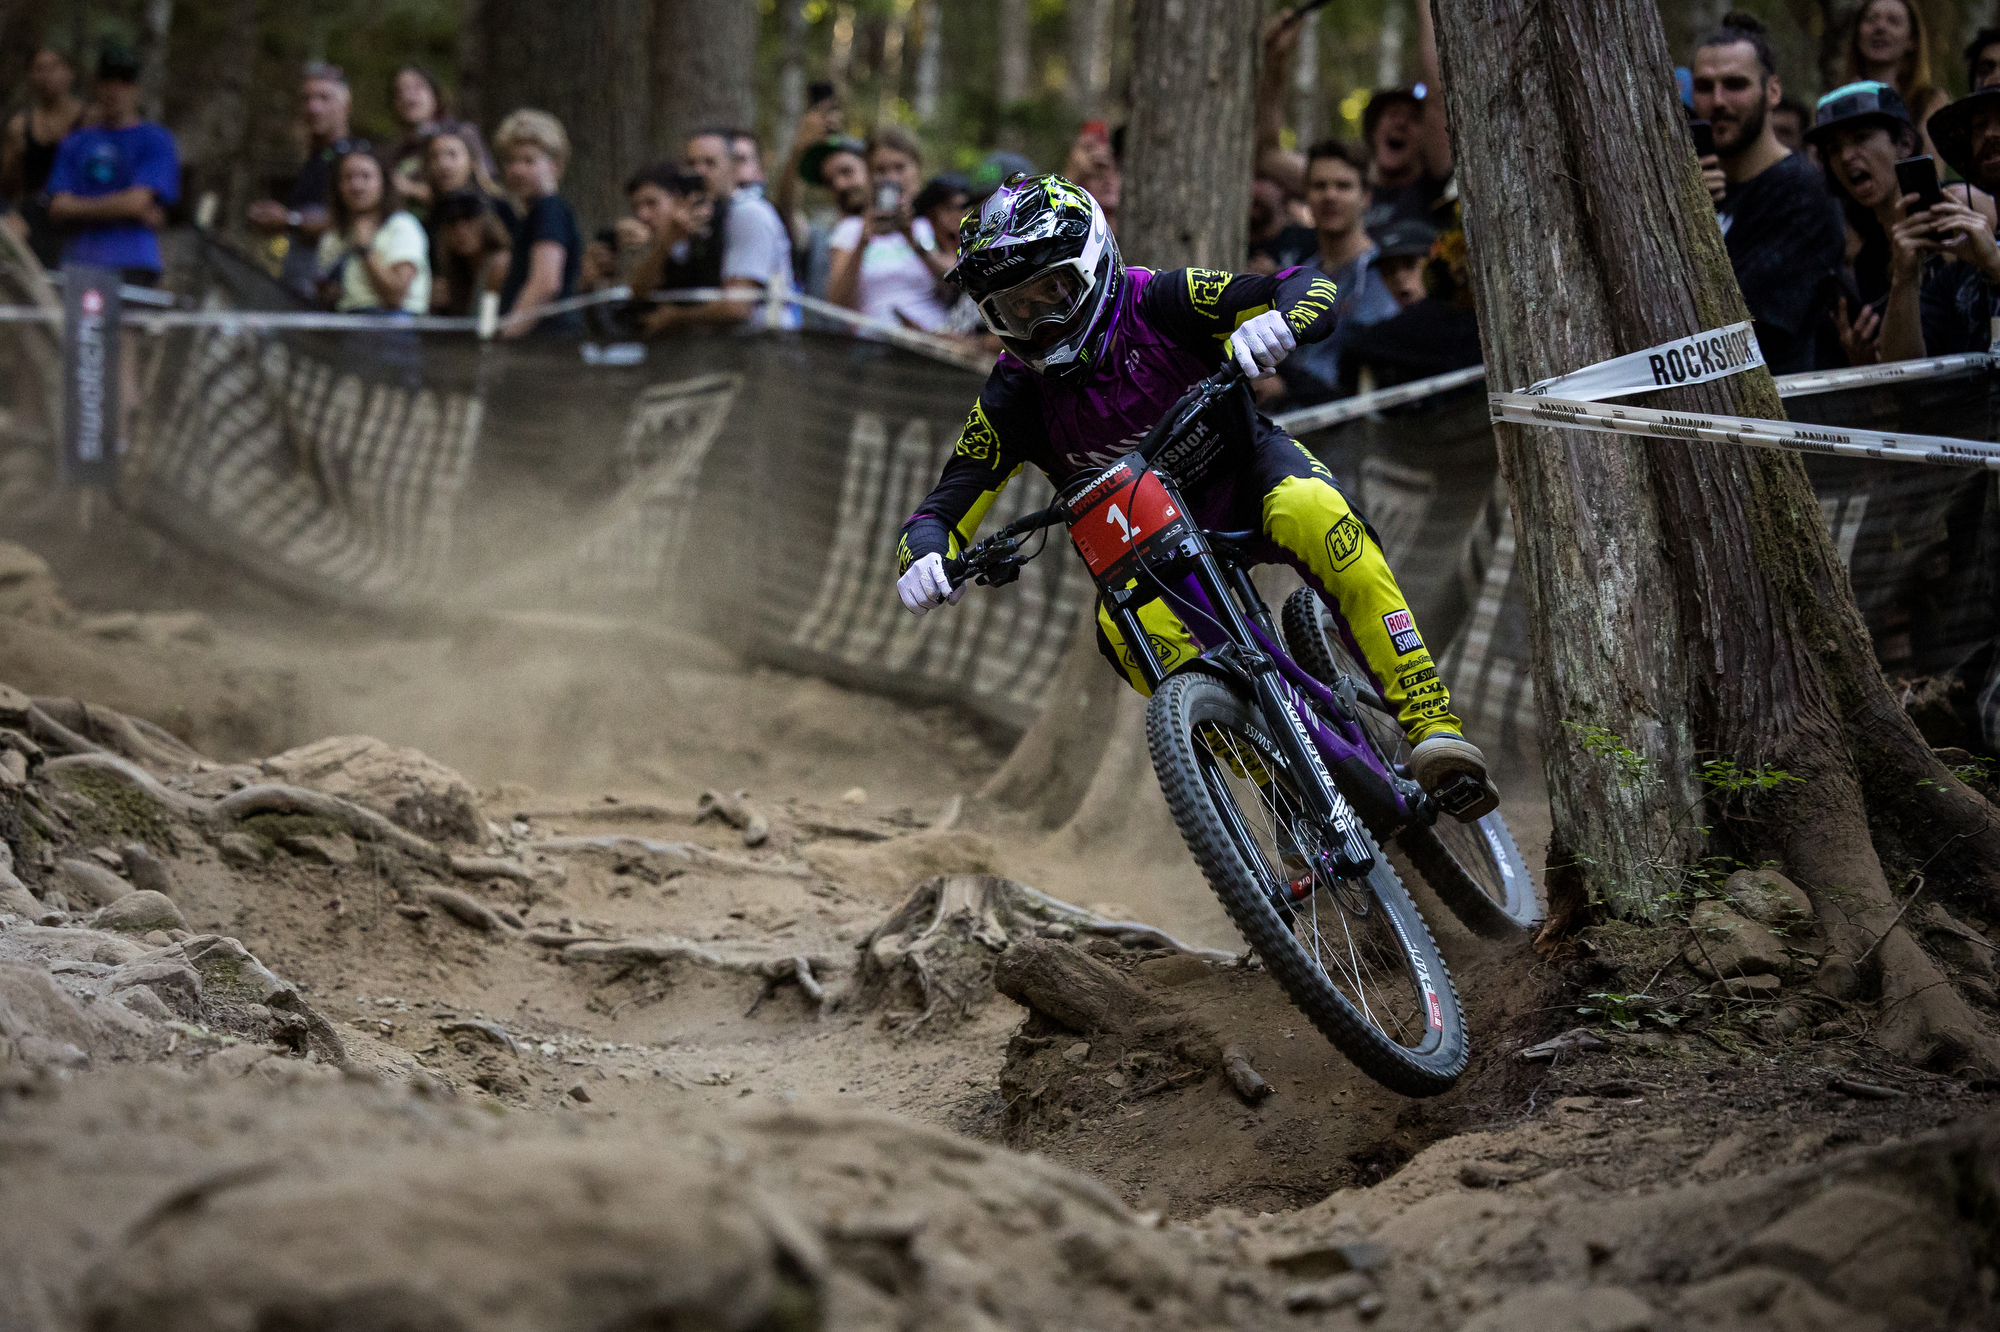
(1095, 353)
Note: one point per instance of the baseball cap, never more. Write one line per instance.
(815, 156)
(1856, 104)
(1406, 237)
(993, 171)
(118, 64)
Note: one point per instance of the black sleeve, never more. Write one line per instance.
(1950, 300)
(1199, 307)
(1003, 431)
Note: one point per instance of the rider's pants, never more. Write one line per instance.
(1308, 524)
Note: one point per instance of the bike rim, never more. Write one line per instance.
(1366, 957)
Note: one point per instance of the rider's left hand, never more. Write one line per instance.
(1261, 343)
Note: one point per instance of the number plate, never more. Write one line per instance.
(1126, 515)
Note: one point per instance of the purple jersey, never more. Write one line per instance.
(1167, 332)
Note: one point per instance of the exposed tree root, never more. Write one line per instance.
(936, 952)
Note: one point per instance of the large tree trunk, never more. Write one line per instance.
(930, 60)
(586, 65)
(1010, 85)
(1685, 597)
(1089, 56)
(1083, 766)
(704, 69)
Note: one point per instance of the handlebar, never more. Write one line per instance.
(993, 559)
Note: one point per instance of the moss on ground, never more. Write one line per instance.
(122, 811)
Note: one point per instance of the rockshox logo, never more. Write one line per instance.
(1402, 633)
(1700, 358)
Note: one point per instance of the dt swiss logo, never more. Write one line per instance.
(92, 301)
(1402, 632)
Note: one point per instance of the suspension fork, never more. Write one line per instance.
(1323, 799)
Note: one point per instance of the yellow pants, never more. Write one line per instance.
(1313, 529)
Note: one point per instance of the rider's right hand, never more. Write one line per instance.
(924, 585)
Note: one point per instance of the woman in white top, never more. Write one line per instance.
(895, 276)
(375, 256)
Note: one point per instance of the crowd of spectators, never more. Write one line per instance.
(1838, 262)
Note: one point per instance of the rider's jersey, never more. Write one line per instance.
(1167, 331)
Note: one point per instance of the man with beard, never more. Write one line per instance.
(1783, 231)
(840, 163)
(1944, 267)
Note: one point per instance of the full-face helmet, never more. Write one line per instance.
(1040, 262)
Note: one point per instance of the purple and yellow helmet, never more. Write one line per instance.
(1039, 253)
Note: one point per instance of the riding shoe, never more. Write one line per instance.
(1437, 760)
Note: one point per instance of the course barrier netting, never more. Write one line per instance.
(758, 480)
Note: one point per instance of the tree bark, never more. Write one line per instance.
(1685, 598)
(586, 65)
(1308, 119)
(154, 33)
(791, 76)
(1089, 56)
(1187, 171)
(1083, 767)
(930, 60)
(704, 69)
(1389, 50)
(1010, 85)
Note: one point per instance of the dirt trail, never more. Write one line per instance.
(521, 1031)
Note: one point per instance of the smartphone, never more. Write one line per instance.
(819, 92)
(888, 196)
(1703, 134)
(607, 236)
(1918, 175)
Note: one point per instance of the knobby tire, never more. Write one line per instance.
(1475, 868)
(1188, 720)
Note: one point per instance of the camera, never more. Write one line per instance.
(888, 196)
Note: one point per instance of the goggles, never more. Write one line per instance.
(1052, 295)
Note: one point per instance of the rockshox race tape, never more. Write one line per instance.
(1571, 401)
(1699, 359)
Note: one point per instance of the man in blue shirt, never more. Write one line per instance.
(114, 178)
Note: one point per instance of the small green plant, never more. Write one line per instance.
(1726, 777)
(1633, 767)
(1613, 1008)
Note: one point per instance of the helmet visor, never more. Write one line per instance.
(1052, 295)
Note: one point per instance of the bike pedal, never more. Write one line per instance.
(1462, 794)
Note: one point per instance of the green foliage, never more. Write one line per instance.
(1724, 778)
(120, 811)
(1632, 766)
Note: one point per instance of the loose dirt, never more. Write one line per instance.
(545, 1025)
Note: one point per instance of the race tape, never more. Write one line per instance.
(1757, 432)
(1302, 420)
(1697, 359)
(1809, 382)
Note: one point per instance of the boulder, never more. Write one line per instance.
(405, 785)
(146, 870)
(336, 849)
(1555, 1307)
(1770, 898)
(28, 591)
(141, 913)
(174, 984)
(88, 884)
(1729, 944)
(242, 849)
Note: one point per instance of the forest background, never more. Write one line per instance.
(967, 75)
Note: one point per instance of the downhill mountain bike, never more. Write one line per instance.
(1281, 781)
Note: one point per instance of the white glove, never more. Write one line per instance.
(1261, 343)
(924, 586)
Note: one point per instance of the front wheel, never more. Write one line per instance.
(1353, 955)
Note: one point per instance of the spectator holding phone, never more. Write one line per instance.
(420, 104)
(297, 221)
(824, 118)
(886, 263)
(1944, 271)
(1782, 230)
(745, 243)
(1862, 131)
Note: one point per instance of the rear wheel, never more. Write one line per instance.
(1352, 954)
(1475, 868)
